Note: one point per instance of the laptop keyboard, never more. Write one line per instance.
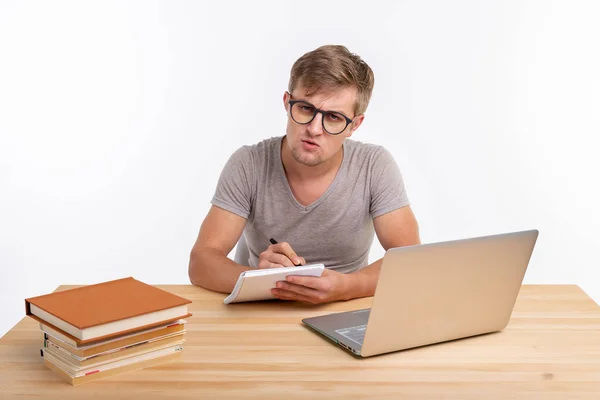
(355, 333)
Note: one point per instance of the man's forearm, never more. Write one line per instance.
(363, 283)
(212, 270)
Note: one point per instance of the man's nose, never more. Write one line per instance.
(316, 125)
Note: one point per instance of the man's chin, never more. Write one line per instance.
(310, 160)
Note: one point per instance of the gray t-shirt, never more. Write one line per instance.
(337, 229)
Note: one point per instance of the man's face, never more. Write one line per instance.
(310, 144)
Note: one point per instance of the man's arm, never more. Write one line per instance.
(209, 265)
(394, 229)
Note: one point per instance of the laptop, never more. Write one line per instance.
(433, 293)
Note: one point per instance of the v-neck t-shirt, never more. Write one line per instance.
(337, 228)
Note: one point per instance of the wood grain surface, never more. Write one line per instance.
(550, 350)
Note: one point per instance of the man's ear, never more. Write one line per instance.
(286, 98)
(358, 120)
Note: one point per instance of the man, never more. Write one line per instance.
(320, 195)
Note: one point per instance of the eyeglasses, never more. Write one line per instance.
(303, 113)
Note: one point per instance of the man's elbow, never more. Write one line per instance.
(195, 269)
(193, 279)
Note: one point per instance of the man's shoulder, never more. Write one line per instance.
(364, 150)
(256, 151)
(261, 148)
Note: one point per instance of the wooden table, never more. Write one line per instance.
(550, 350)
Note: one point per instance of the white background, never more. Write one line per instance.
(116, 118)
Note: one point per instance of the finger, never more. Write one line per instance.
(291, 296)
(280, 259)
(286, 249)
(269, 258)
(265, 264)
(297, 289)
(312, 282)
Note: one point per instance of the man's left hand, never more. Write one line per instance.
(330, 286)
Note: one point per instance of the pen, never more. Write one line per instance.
(273, 241)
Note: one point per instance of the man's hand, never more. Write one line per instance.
(330, 286)
(279, 255)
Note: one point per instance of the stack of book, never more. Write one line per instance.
(109, 328)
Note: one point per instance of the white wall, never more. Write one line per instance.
(116, 118)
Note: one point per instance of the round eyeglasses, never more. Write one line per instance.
(303, 113)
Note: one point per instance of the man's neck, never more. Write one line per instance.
(300, 172)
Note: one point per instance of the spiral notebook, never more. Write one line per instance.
(256, 284)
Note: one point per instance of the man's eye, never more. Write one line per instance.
(333, 117)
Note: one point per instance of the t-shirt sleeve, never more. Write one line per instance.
(234, 191)
(388, 192)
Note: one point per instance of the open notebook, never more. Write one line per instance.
(256, 284)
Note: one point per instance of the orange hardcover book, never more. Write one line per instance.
(105, 310)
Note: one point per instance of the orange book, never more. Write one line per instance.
(105, 310)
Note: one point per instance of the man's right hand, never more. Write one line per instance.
(279, 255)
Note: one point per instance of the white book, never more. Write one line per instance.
(76, 372)
(59, 336)
(256, 284)
(66, 353)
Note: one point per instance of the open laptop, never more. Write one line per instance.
(433, 293)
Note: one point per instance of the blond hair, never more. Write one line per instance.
(332, 67)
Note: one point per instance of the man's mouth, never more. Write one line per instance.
(310, 142)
